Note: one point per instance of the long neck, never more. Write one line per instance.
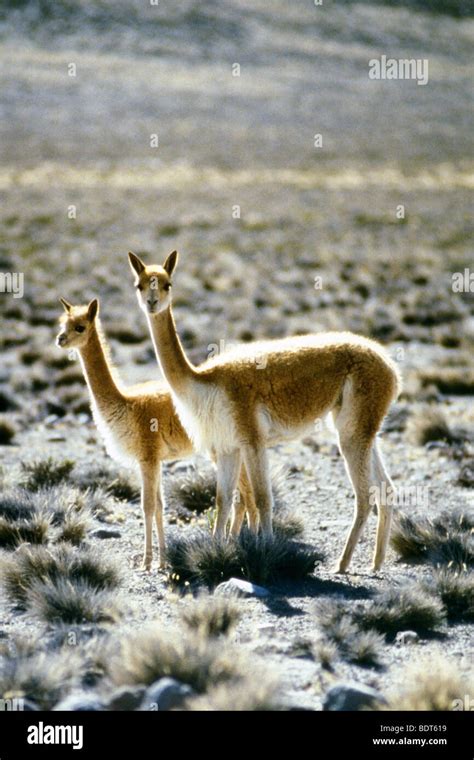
(176, 368)
(99, 378)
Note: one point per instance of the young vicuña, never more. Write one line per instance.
(256, 395)
(139, 423)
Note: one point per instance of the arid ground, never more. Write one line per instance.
(277, 237)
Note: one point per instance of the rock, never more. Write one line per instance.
(166, 694)
(126, 698)
(352, 696)
(407, 637)
(80, 701)
(105, 533)
(239, 587)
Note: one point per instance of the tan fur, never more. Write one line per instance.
(139, 423)
(239, 403)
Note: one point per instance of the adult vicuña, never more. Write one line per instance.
(139, 423)
(238, 403)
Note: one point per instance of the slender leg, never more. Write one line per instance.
(256, 462)
(228, 466)
(357, 460)
(385, 508)
(244, 503)
(159, 519)
(149, 493)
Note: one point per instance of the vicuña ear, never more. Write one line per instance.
(67, 306)
(92, 310)
(137, 264)
(170, 264)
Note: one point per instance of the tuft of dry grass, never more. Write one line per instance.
(150, 654)
(433, 684)
(193, 493)
(198, 557)
(7, 431)
(447, 539)
(63, 563)
(107, 480)
(244, 695)
(401, 609)
(211, 616)
(33, 530)
(429, 424)
(69, 511)
(453, 381)
(41, 677)
(194, 490)
(45, 516)
(287, 524)
(45, 473)
(342, 635)
(16, 504)
(456, 591)
(64, 602)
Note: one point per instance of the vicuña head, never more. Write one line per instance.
(76, 324)
(153, 283)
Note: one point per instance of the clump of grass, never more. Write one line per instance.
(428, 424)
(244, 695)
(447, 539)
(211, 616)
(29, 356)
(44, 516)
(16, 504)
(198, 557)
(7, 431)
(401, 609)
(151, 654)
(456, 591)
(287, 524)
(270, 560)
(123, 333)
(74, 529)
(33, 530)
(41, 677)
(45, 473)
(8, 402)
(194, 491)
(455, 381)
(107, 481)
(63, 563)
(342, 635)
(456, 550)
(434, 684)
(69, 512)
(69, 376)
(61, 601)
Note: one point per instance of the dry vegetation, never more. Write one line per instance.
(89, 621)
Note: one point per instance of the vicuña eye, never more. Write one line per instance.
(79, 328)
(167, 286)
